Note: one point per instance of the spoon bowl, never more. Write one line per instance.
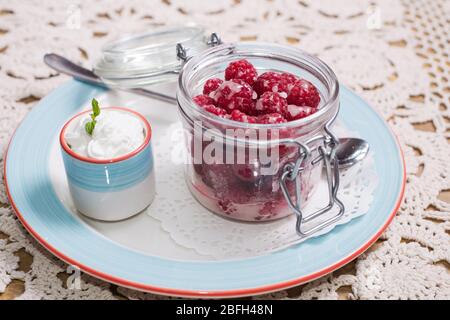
(350, 151)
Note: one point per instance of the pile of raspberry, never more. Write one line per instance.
(269, 98)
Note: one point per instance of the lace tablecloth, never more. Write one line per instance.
(393, 53)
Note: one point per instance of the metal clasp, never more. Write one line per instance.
(292, 172)
(214, 40)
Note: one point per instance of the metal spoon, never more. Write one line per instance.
(66, 66)
(349, 152)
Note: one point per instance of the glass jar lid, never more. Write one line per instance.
(151, 57)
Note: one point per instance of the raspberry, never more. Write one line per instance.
(288, 77)
(303, 93)
(268, 81)
(240, 116)
(212, 85)
(298, 112)
(235, 94)
(215, 110)
(271, 102)
(273, 82)
(203, 100)
(271, 118)
(241, 69)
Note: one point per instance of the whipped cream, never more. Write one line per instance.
(116, 133)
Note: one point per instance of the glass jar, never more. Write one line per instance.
(258, 172)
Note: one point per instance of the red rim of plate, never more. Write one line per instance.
(66, 148)
(210, 293)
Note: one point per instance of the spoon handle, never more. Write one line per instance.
(66, 66)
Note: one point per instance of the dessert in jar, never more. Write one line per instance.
(249, 101)
(267, 105)
(108, 160)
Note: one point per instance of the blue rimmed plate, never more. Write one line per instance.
(135, 253)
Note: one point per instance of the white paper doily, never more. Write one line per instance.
(193, 226)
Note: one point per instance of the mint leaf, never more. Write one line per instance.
(89, 126)
(95, 108)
